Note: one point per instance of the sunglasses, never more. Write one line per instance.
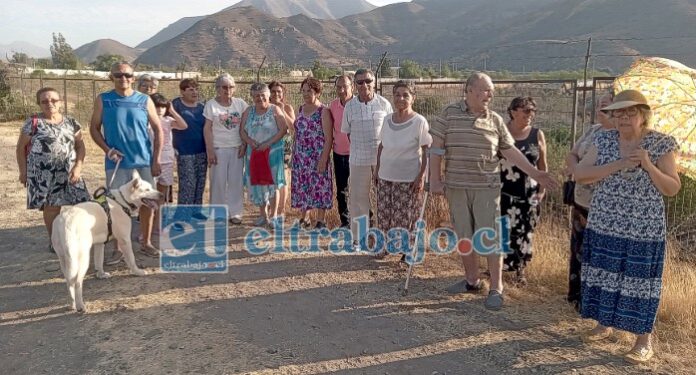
(361, 82)
(119, 75)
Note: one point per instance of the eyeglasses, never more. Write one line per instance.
(52, 101)
(630, 112)
(119, 75)
(361, 82)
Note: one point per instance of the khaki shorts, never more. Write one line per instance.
(473, 209)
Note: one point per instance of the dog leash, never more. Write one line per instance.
(113, 175)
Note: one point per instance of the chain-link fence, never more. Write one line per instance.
(562, 115)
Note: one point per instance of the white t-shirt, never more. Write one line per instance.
(363, 122)
(226, 121)
(401, 148)
(167, 153)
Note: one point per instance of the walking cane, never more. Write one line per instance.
(431, 151)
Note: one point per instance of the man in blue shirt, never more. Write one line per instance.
(119, 126)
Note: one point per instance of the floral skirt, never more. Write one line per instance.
(397, 205)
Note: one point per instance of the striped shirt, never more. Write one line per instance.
(472, 145)
(363, 121)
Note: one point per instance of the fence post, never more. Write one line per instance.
(65, 94)
(573, 129)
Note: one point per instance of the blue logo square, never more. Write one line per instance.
(193, 239)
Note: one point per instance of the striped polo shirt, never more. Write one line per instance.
(472, 145)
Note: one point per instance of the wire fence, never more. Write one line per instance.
(565, 110)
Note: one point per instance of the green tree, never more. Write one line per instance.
(410, 69)
(20, 58)
(43, 63)
(103, 62)
(62, 54)
(321, 72)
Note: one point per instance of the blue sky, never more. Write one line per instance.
(82, 21)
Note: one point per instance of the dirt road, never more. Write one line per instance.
(271, 314)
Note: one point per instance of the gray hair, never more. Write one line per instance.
(122, 62)
(147, 78)
(259, 87)
(364, 71)
(475, 77)
(223, 77)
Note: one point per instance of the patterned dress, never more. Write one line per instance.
(261, 128)
(49, 162)
(624, 247)
(518, 200)
(309, 188)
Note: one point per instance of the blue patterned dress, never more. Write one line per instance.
(261, 128)
(624, 246)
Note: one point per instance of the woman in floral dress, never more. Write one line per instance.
(520, 195)
(633, 167)
(51, 170)
(312, 181)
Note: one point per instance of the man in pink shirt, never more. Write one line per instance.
(341, 146)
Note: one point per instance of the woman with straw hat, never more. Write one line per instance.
(633, 167)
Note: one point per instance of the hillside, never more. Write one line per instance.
(321, 9)
(89, 52)
(520, 35)
(6, 50)
(170, 31)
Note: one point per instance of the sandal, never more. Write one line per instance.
(639, 355)
(593, 335)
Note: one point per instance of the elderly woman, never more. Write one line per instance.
(312, 183)
(225, 148)
(624, 246)
(582, 197)
(263, 129)
(278, 98)
(401, 163)
(147, 84)
(520, 195)
(51, 169)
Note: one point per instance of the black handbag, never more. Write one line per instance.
(569, 192)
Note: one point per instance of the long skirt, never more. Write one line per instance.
(621, 281)
(397, 205)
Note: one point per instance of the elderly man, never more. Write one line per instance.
(362, 121)
(123, 115)
(341, 146)
(472, 136)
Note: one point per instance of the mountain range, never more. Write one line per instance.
(321, 9)
(513, 35)
(89, 52)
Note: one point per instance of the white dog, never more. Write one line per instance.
(79, 227)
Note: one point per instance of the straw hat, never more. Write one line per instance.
(627, 98)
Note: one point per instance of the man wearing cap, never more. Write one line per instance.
(472, 137)
(123, 115)
(362, 121)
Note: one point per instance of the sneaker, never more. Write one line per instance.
(201, 216)
(115, 258)
(464, 287)
(260, 222)
(236, 220)
(149, 250)
(494, 301)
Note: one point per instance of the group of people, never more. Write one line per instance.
(493, 166)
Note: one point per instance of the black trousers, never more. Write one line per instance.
(342, 172)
